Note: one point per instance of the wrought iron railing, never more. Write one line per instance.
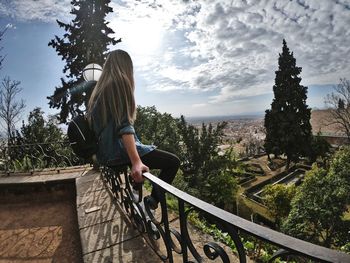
(159, 229)
(37, 156)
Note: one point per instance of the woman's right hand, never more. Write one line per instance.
(137, 167)
(136, 171)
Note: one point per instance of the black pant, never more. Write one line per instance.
(168, 164)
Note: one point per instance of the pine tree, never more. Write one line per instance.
(287, 123)
(85, 41)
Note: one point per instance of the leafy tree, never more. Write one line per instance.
(340, 169)
(199, 146)
(85, 41)
(319, 148)
(314, 216)
(339, 102)
(191, 159)
(204, 169)
(320, 203)
(210, 179)
(217, 173)
(158, 128)
(42, 142)
(287, 123)
(39, 130)
(278, 198)
(10, 108)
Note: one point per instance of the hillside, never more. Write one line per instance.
(321, 122)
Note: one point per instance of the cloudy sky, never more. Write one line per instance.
(214, 57)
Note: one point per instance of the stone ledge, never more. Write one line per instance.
(43, 178)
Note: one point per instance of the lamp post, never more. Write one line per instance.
(92, 72)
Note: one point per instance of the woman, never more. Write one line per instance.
(112, 112)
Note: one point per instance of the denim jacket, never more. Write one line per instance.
(110, 144)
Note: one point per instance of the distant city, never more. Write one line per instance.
(246, 133)
(215, 119)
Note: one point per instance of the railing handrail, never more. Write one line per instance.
(281, 240)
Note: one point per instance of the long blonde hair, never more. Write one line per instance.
(114, 91)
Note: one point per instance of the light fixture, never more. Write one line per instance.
(92, 72)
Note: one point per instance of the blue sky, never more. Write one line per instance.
(196, 58)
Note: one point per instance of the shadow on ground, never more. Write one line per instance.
(39, 226)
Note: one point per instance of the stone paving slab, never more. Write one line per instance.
(89, 182)
(106, 214)
(133, 250)
(93, 198)
(97, 210)
(84, 188)
(107, 234)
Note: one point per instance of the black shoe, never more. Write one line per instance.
(152, 203)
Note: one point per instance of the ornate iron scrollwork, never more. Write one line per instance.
(213, 250)
(38, 156)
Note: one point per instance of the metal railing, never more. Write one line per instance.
(180, 242)
(37, 156)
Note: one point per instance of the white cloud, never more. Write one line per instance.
(176, 74)
(199, 105)
(238, 44)
(42, 10)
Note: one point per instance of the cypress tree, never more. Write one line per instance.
(85, 41)
(287, 123)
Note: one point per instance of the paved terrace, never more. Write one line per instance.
(106, 234)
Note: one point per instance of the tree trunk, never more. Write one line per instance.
(8, 135)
